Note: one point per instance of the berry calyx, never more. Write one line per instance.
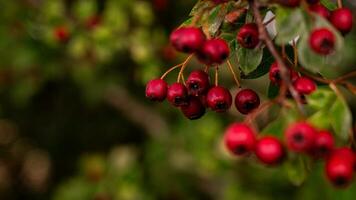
(300, 137)
(304, 85)
(246, 101)
(323, 145)
(322, 41)
(194, 109)
(187, 39)
(248, 36)
(342, 20)
(198, 83)
(269, 150)
(320, 9)
(339, 169)
(177, 94)
(214, 51)
(239, 139)
(289, 3)
(219, 99)
(156, 90)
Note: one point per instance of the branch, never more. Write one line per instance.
(282, 67)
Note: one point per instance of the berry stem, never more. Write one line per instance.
(216, 75)
(258, 111)
(170, 70)
(233, 74)
(282, 67)
(295, 52)
(184, 65)
(339, 3)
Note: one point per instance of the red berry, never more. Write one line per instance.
(322, 41)
(177, 94)
(304, 85)
(246, 101)
(342, 20)
(339, 169)
(323, 145)
(289, 3)
(300, 137)
(194, 109)
(156, 90)
(275, 77)
(61, 34)
(248, 36)
(239, 139)
(219, 99)
(320, 10)
(93, 21)
(187, 39)
(347, 153)
(214, 51)
(269, 150)
(198, 83)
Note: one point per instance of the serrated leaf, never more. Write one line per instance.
(289, 24)
(341, 118)
(249, 59)
(296, 169)
(329, 4)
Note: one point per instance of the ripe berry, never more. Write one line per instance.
(239, 139)
(339, 169)
(248, 36)
(187, 39)
(323, 145)
(194, 109)
(320, 10)
(300, 137)
(246, 100)
(289, 3)
(342, 20)
(198, 83)
(269, 150)
(322, 41)
(177, 94)
(275, 77)
(156, 90)
(93, 21)
(214, 51)
(219, 99)
(61, 34)
(304, 85)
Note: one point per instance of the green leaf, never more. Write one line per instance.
(230, 38)
(276, 127)
(263, 68)
(249, 59)
(329, 4)
(320, 119)
(273, 91)
(322, 98)
(341, 118)
(199, 7)
(216, 18)
(289, 24)
(296, 169)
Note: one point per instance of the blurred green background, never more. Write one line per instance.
(74, 123)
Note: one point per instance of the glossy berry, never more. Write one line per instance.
(342, 20)
(289, 3)
(187, 39)
(347, 153)
(269, 150)
(239, 139)
(156, 90)
(322, 41)
(300, 137)
(61, 34)
(246, 101)
(323, 144)
(214, 51)
(304, 85)
(320, 10)
(177, 94)
(219, 99)
(198, 83)
(194, 108)
(339, 169)
(248, 36)
(275, 77)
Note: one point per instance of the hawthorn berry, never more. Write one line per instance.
(300, 137)
(269, 150)
(289, 3)
(320, 9)
(61, 34)
(93, 21)
(342, 20)
(275, 76)
(322, 41)
(187, 39)
(177, 94)
(219, 99)
(194, 109)
(246, 101)
(304, 85)
(248, 36)
(239, 139)
(156, 90)
(198, 83)
(323, 144)
(214, 51)
(339, 169)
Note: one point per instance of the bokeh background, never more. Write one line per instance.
(75, 125)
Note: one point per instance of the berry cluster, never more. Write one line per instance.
(300, 137)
